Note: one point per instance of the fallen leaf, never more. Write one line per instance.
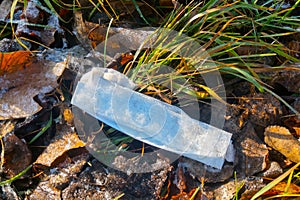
(14, 61)
(188, 196)
(18, 89)
(64, 141)
(119, 60)
(281, 187)
(274, 170)
(68, 116)
(88, 33)
(51, 186)
(127, 7)
(283, 141)
(42, 28)
(181, 196)
(45, 191)
(5, 7)
(181, 185)
(17, 156)
(120, 40)
(261, 110)
(293, 123)
(97, 34)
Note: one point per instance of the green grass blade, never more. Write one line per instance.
(290, 10)
(48, 3)
(139, 11)
(274, 182)
(44, 129)
(244, 75)
(16, 177)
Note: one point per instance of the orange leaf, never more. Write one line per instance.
(68, 116)
(97, 35)
(280, 188)
(64, 142)
(14, 61)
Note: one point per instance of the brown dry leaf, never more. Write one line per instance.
(51, 186)
(165, 3)
(181, 185)
(127, 9)
(18, 89)
(281, 187)
(261, 109)
(293, 123)
(14, 61)
(186, 196)
(181, 196)
(17, 156)
(97, 34)
(120, 39)
(283, 141)
(64, 141)
(46, 34)
(90, 34)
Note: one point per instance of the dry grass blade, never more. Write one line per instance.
(12, 11)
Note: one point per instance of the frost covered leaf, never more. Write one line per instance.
(5, 6)
(17, 89)
(36, 23)
(65, 140)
